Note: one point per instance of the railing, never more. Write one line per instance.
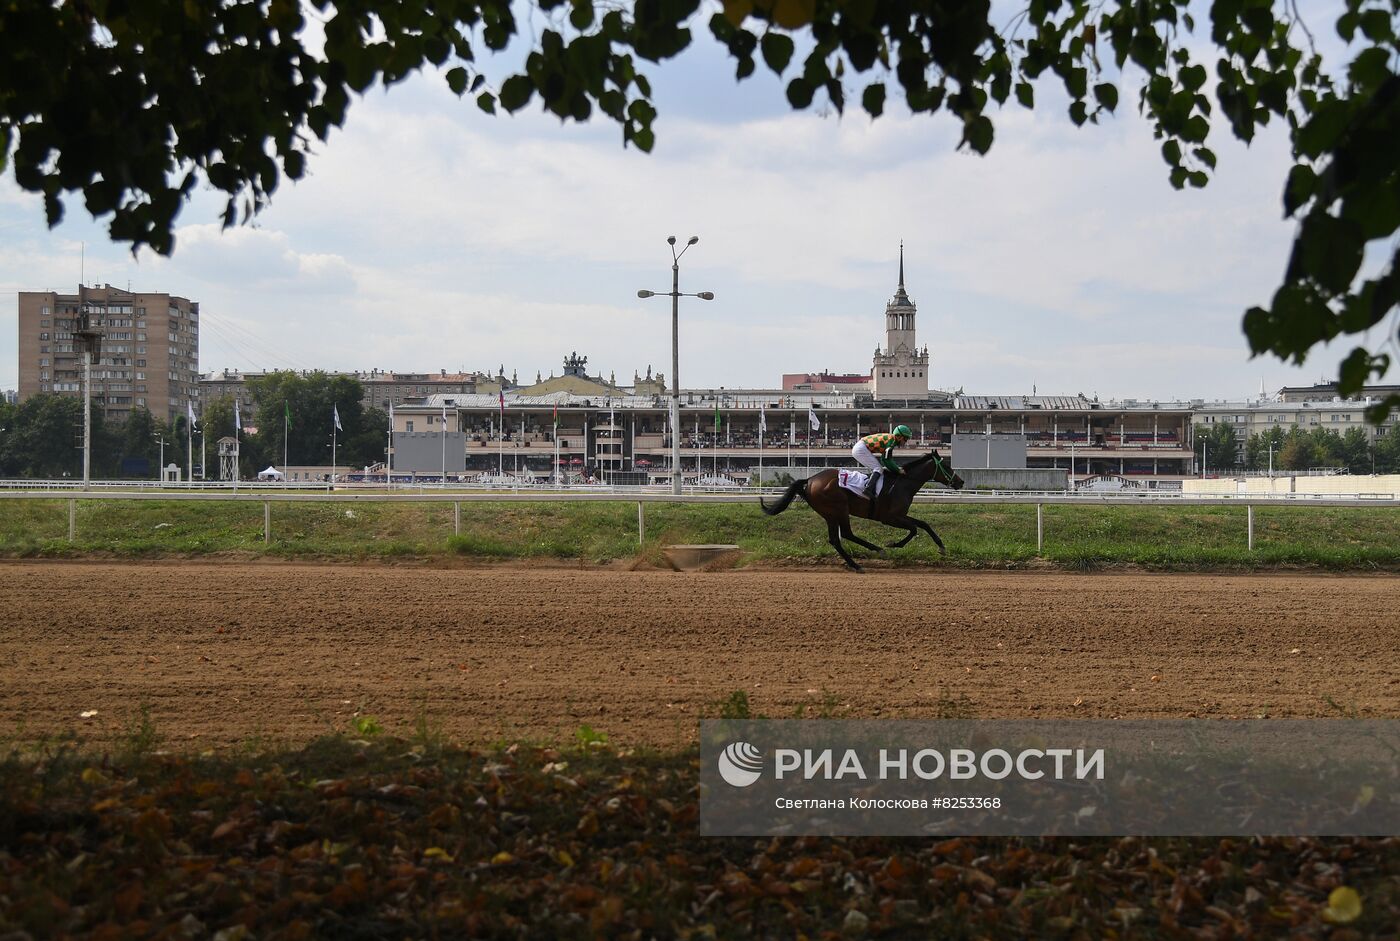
(268, 493)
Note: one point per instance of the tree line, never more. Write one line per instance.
(1294, 449)
(292, 415)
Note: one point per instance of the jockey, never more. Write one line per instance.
(877, 453)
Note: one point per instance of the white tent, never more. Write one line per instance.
(271, 473)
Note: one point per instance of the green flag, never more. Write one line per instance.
(716, 418)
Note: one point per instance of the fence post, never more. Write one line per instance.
(641, 524)
(1039, 527)
(72, 520)
(1251, 526)
(267, 521)
(456, 519)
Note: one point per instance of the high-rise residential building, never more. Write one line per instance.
(149, 356)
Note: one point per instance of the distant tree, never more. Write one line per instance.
(217, 419)
(1386, 451)
(366, 446)
(1356, 451)
(304, 406)
(1326, 447)
(1256, 449)
(47, 436)
(1222, 447)
(138, 437)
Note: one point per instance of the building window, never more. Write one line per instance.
(410, 426)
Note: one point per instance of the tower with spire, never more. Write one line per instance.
(900, 369)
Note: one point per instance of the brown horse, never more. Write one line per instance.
(824, 493)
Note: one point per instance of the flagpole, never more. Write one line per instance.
(762, 431)
(444, 444)
(333, 430)
(389, 451)
(189, 453)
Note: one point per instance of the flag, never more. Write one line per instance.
(237, 418)
(444, 418)
(502, 396)
(556, 416)
(335, 415)
(287, 413)
(189, 410)
(813, 420)
(716, 417)
(762, 420)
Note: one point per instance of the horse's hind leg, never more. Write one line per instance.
(833, 534)
(849, 533)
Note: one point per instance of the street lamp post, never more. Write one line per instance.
(675, 295)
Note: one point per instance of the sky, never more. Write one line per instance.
(428, 236)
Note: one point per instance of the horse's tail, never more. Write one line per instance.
(782, 503)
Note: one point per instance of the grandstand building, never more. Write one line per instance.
(611, 432)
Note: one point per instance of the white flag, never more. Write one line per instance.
(335, 414)
(762, 420)
(813, 420)
(189, 407)
(237, 418)
(444, 417)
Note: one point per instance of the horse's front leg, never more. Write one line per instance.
(909, 533)
(929, 529)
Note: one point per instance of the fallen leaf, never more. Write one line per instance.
(1343, 906)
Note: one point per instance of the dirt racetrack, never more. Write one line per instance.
(225, 653)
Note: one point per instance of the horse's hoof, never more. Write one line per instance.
(857, 569)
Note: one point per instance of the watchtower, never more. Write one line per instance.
(228, 458)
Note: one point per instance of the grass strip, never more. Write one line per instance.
(977, 536)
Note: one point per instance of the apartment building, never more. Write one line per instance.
(149, 355)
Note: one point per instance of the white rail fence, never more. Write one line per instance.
(267, 495)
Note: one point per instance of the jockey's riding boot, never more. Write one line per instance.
(871, 486)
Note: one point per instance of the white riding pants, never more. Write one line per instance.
(866, 457)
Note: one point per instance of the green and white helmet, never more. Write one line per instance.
(902, 431)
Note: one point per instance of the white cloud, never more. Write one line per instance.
(430, 236)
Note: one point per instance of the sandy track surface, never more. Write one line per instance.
(223, 653)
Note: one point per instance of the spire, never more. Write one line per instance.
(901, 265)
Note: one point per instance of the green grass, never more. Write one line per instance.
(980, 536)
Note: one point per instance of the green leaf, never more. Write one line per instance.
(1301, 183)
(516, 92)
(777, 51)
(457, 80)
(1171, 152)
(977, 133)
(874, 99)
(1078, 112)
(1331, 250)
(486, 102)
(1107, 95)
(582, 15)
(1025, 94)
(799, 93)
